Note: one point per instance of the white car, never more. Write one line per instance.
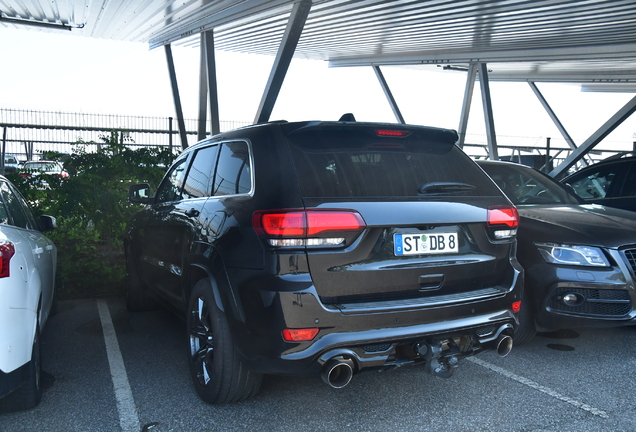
(43, 167)
(27, 287)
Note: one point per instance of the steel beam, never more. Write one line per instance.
(4, 149)
(434, 57)
(389, 95)
(288, 44)
(203, 92)
(28, 148)
(553, 116)
(493, 153)
(176, 97)
(564, 133)
(468, 97)
(610, 87)
(35, 23)
(598, 136)
(207, 40)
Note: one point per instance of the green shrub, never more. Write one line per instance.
(91, 207)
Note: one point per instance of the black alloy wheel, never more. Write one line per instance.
(217, 372)
(201, 341)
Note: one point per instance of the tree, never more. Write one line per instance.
(91, 208)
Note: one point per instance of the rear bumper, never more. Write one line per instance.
(373, 338)
(485, 328)
(384, 348)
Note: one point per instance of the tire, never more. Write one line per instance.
(29, 394)
(217, 372)
(137, 296)
(526, 329)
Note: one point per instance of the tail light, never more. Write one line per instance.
(299, 335)
(313, 228)
(392, 133)
(503, 221)
(7, 250)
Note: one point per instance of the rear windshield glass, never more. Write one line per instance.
(43, 166)
(357, 165)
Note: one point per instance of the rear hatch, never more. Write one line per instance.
(424, 207)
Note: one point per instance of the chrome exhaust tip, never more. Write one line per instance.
(337, 372)
(504, 345)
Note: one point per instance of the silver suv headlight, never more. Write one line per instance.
(572, 255)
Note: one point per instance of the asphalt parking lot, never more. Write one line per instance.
(110, 370)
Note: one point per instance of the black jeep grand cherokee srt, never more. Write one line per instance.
(326, 248)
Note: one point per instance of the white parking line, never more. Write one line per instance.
(539, 387)
(128, 418)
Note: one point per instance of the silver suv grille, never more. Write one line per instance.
(630, 254)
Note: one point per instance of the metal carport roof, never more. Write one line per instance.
(584, 41)
(576, 41)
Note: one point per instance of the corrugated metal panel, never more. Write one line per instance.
(592, 35)
(373, 29)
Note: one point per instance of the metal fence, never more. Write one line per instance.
(541, 152)
(27, 134)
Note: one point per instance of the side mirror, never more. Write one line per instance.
(139, 193)
(47, 223)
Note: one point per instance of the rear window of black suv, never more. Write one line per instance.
(360, 162)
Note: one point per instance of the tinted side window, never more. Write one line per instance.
(629, 188)
(596, 184)
(4, 213)
(527, 186)
(18, 214)
(198, 182)
(233, 171)
(170, 188)
(26, 209)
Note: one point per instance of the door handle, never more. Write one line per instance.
(38, 251)
(192, 213)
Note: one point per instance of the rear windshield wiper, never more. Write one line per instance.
(441, 187)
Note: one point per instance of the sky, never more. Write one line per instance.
(62, 72)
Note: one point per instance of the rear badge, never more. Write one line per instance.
(425, 244)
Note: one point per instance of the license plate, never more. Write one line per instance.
(420, 244)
